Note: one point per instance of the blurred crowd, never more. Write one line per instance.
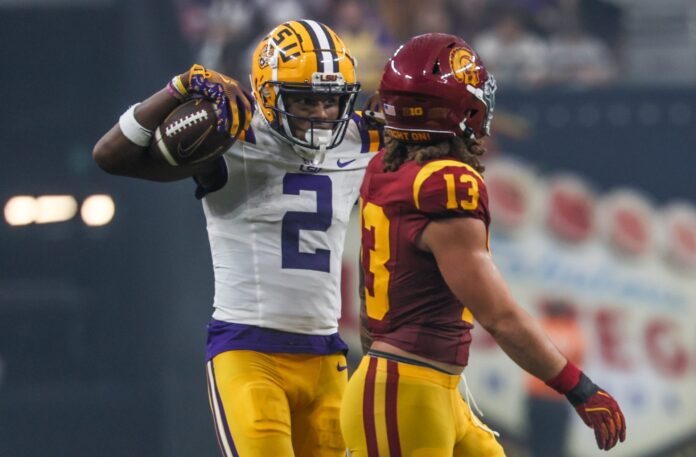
(526, 44)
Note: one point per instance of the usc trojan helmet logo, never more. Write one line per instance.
(464, 66)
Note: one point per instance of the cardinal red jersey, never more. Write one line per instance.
(408, 303)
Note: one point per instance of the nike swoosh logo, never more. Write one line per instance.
(344, 164)
(187, 151)
(340, 367)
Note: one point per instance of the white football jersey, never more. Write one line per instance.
(277, 229)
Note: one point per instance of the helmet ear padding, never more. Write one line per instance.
(268, 98)
(265, 94)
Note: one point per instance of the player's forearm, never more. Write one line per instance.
(478, 283)
(525, 342)
(118, 155)
(515, 331)
(152, 111)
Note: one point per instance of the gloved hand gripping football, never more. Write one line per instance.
(233, 106)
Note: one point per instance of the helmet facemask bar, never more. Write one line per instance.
(314, 142)
(485, 95)
(489, 89)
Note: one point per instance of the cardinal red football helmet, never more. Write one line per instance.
(436, 87)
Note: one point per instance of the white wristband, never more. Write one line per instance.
(132, 129)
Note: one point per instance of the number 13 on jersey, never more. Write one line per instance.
(449, 189)
(375, 232)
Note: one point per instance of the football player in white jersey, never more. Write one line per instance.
(277, 204)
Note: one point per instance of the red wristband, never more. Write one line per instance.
(566, 380)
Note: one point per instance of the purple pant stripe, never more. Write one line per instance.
(220, 420)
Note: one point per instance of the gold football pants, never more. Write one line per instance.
(395, 409)
(277, 405)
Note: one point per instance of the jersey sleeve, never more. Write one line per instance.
(450, 188)
(248, 135)
(371, 134)
(215, 181)
(218, 179)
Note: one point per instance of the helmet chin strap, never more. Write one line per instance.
(468, 132)
(319, 138)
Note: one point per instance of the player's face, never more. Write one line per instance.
(315, 107)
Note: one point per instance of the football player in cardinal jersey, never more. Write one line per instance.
(428, 271)
(277, 204)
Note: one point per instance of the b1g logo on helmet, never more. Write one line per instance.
(464, 66)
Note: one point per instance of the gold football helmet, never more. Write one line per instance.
(304, 57)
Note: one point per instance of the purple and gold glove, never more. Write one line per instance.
(596, 408)
(233, 106)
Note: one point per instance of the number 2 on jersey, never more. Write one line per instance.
(374, 220)
(294, 221)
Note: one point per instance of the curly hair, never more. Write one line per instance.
(465, 149)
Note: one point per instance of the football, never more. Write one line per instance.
(188, 135)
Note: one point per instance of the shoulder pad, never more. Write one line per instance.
(371, 133)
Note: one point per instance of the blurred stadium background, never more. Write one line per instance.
(106, 283)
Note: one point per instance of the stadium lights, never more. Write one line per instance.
(21, 210)
(98, 210)
(55, 208)
(25, 209)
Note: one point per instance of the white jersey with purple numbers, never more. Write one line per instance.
(277, 229)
